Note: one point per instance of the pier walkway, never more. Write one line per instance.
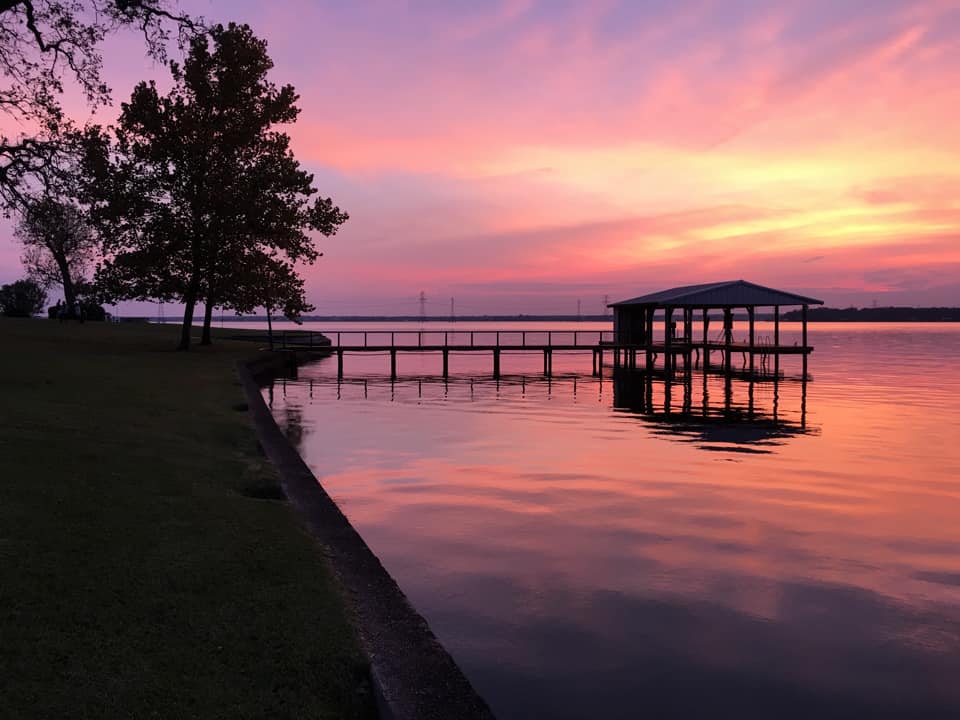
(600, 343)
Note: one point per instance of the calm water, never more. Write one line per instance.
(754, 552)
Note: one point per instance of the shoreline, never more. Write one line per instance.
(414, 676)
(151, 566)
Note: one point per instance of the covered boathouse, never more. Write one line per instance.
(680, 308)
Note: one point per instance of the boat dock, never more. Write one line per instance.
(601, 344)
(633, 342)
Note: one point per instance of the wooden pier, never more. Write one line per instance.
(673, 353)
(632, 343)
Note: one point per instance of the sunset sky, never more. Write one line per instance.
(519, 155)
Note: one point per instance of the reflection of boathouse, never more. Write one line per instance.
(683, 309)
(716, 409)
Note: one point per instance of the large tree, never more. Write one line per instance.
(58, 245)
(199, 185)
(46, 45)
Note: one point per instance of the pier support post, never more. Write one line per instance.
(804, 343)
(706, 339)
(339, 364)
(496, 363)
(446, 364)
(393, 364)
(752, 338)
(776, 343)
(727, 338)
(668, 358)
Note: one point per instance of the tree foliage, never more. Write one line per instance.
(58, 245)
(199, 194)
(23, 298)
(45, 44)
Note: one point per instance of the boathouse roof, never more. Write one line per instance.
(733, 293)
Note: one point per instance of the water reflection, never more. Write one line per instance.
(623, 546)
(732, 424)
(680, 407)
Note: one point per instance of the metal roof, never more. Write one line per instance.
(733, 293)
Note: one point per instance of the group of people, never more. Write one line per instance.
(62, 312)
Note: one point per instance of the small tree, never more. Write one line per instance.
(274, 285)
(58, 245)
(23, 298)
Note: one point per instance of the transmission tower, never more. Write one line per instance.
(606, 301)
(453, 315)
(423, 306)
(578, 309)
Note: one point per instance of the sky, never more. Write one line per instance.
(519, 156)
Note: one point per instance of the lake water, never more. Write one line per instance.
(610, 547)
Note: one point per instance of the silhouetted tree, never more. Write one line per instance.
(23, 298)
(58, 245)
(199, 186)
(272, 284)
(43, 45)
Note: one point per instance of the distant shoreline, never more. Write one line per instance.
(818, 314)
(879, 314)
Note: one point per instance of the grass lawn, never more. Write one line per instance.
(138, 577)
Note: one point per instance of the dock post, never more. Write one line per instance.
(776, 345)
(752, 336)
(446, 363)
(727, 338)
(496, 363)
(545, 371)
(804, 343)
(393, 364)
(600, 362)
(669, 361)
(339, 364)
(706, 339)
(593, 366)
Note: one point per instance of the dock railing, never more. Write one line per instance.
(451, 339)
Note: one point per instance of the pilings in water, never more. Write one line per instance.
(679, 357)
(676, 352)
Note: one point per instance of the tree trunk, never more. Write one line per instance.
(269, 327)
(190, 300)
(207, 318)
(69, 294)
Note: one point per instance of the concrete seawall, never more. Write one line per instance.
(414, 677)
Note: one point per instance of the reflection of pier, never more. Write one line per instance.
(718, 410)
(632, 343)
